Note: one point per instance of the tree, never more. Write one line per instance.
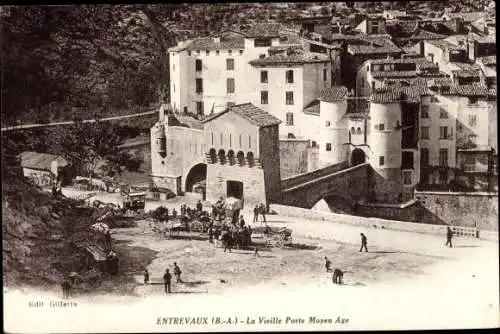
(85, 144)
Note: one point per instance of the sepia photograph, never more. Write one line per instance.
(244, 167)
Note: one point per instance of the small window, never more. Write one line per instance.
(328, 147)
(230, 85)
(443, 157)
(199, 86)
(443, 132)
(173, 67)
(264, 97)
(407, 176)
(262, 56)
(263, 77)
(425, 111)
(289, 98)
(217, 52)
(199, 108)
(381, 161)
(229, 52)
(443, 113)
(198, 65)
(230, 64)
(289, 118)
(327, 123)
(314, 144)
(380, 127)
(472, 100)
(198, 51)
(289, 76)
(424, 132)
(189, 53)
(241, 52)
(324, 74)
(472, 121)
(221, 139)
(208, 53)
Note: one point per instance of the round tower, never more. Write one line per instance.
(333, 133)
(158, 149)
(384, 140)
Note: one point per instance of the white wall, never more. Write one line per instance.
(335, 132)
(387, 142)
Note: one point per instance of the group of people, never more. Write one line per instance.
(259, 209)
(238, 235)
(167, 277)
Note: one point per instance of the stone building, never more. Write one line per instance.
(235, 152)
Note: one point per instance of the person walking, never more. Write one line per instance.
(107, 237)
(449, 235)
(210, 235)
(177, 273)
(199, 206)
(255, 213)
(364, 242)
(328, 265)
(167, 279)
(242, 221)
(146, 276)
(66, 288)
(225, 239)
(263, 212)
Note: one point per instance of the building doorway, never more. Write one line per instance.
(234, 189)
(196, 178)
(358, 157)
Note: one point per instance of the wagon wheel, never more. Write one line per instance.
(278, 241)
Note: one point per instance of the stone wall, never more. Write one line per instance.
(252, 178)
(350, 185)
(369, 222)
(293, 157)
(270, 160)
(462, 209)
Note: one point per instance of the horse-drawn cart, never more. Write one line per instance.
(273, 236)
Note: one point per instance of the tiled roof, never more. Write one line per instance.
(423, 35)
(291, 58)
(312, 108)
(390, 95)
(467, 73)
(367, 49)
(333, 94)
(444, 44)
(394, 74)
(264, 30)
(209, 43)
(488, 60)
(250, 112)
(466, 66)
(475, 89)
(468, 17)
(190, 122)
(40, 161)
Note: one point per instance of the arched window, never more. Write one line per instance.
(222, 157)
(213, 155)
(230, 157)
(241, 158)
(250, 159)
(353, 130)
(358, 130)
